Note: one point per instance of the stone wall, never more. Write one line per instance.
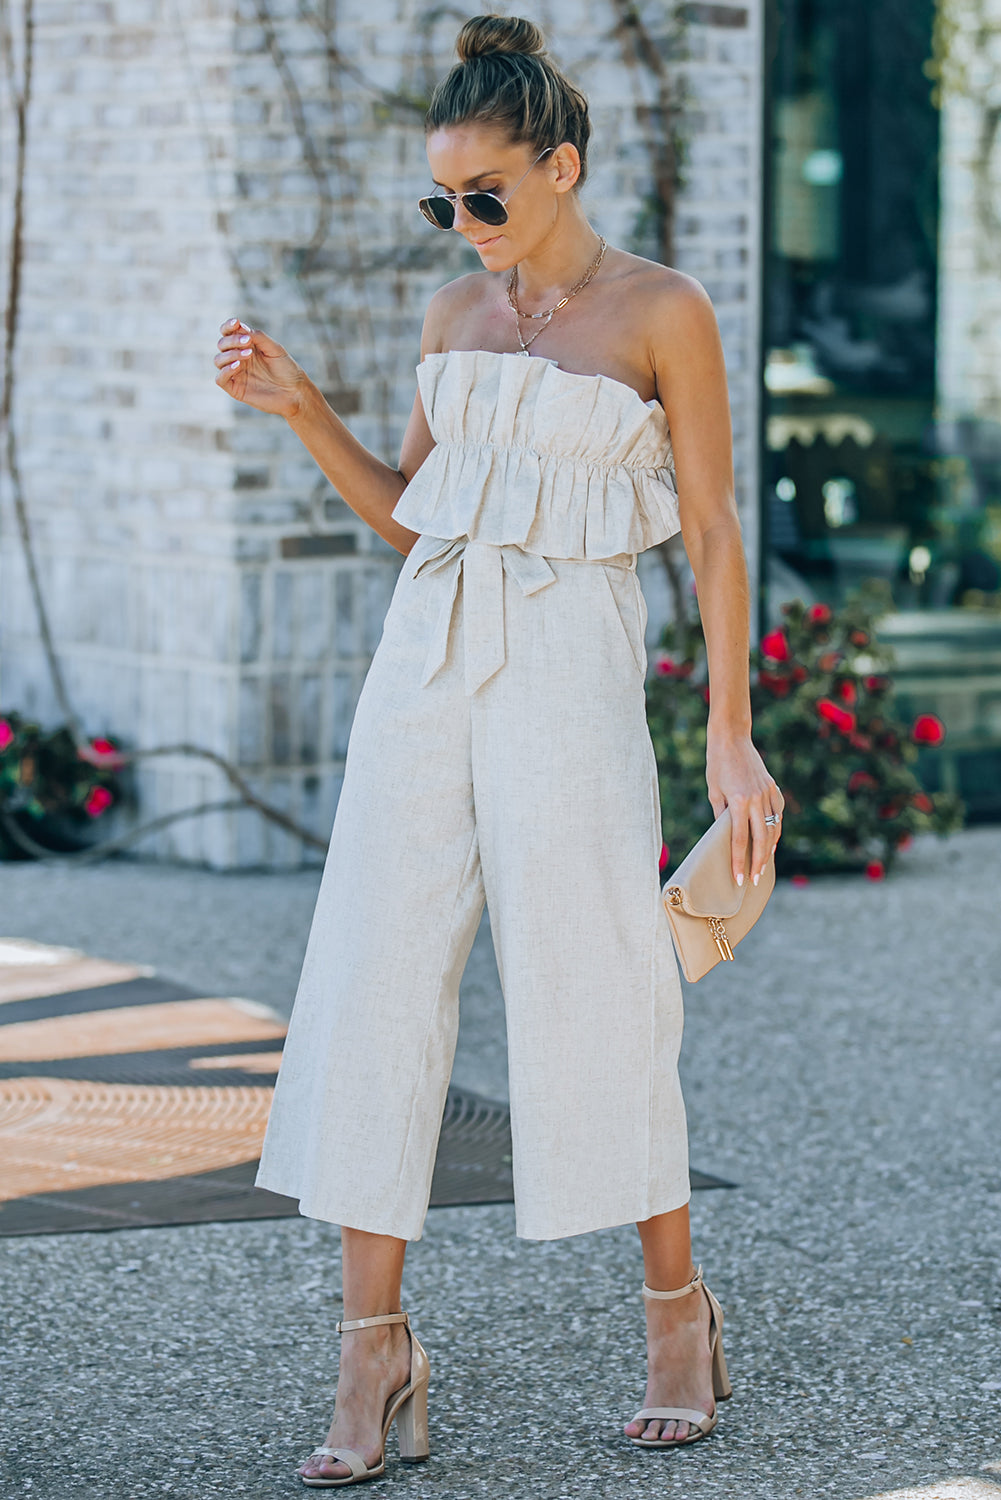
(190, 160)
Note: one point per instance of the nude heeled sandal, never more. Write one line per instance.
(408, 1405)
(702, 1422)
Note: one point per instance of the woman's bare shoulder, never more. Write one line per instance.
(675, 319)
(659, 288)
(454, 301)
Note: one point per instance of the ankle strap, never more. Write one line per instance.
(690, 1286)
(346, 1325)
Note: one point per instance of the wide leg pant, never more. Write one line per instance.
(499, 751)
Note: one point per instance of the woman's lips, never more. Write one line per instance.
(484, 244)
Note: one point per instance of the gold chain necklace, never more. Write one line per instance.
(512, 290)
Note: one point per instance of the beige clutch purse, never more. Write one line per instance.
(708, 911)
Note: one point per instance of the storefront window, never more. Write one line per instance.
(866, 473)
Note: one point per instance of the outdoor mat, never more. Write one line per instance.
(128, 1100)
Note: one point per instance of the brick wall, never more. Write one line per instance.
(969, 306)
(189, 160)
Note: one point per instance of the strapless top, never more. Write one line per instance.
(560, 464)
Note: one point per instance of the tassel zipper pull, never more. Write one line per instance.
(719, 935)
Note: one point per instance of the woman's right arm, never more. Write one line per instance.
(255, 369)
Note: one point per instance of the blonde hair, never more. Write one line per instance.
(505, 77)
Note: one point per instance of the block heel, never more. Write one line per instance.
(412, 1427)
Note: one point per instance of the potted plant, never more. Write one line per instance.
(51, 789)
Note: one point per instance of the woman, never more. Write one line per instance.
(500, 749)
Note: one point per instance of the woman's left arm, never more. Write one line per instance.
(691, 383)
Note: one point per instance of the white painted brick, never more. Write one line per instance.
(157, 168)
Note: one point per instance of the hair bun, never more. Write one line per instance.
(485, 36)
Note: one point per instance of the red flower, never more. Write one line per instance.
(102, 753)
(829, 661)
(97, 801)
(846, 691)
(6, 734)
(875, 869)
(705, 694)
(922, 802)
(665, 855)
(799, 880)
(859, 638)
(928, 730)
(775, 645)
(876, 684)
(799, 674)
(888, 810)
(860, 741)
(664, 667)
(839, 717)
(819, 614)
(904, 841)
(859, 779)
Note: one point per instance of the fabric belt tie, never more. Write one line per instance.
(483, 566)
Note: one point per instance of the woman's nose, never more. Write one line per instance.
(464, 221)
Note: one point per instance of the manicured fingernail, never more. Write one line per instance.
(246, 353)
(245, 326)
(245, 338)
(756, 879)
(740, 878)
(235, 365)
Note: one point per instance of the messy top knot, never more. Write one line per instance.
(505, 77)
(484, 35)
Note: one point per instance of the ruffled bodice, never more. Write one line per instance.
(560, 464)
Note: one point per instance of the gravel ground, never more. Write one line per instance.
(843, 1073)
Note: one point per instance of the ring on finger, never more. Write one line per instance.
(772, 819)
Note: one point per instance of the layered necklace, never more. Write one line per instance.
(548, 315)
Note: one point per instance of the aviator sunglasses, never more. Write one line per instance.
(439, 209)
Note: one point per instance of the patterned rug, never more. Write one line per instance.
(128, 1100)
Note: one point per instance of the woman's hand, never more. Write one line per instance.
(255, 369)
(736, 778)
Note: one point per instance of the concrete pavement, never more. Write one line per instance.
(843, 1072)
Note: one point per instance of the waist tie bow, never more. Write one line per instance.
(483, 565)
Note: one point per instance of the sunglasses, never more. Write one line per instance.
(439, 209)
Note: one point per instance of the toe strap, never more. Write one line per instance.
(699, 1419)
(348, 1456)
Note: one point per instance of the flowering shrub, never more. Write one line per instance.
(824, 722)
(48, 787)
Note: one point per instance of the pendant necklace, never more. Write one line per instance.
(548, 315)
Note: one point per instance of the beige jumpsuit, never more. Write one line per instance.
(500, 751)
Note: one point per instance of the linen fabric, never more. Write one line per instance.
(562, 464)
(500, 753)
